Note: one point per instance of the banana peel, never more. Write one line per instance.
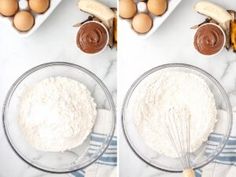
(214, 11)
(99, 10)
(115, 30)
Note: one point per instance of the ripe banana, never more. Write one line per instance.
(214, 11)
(233, 31)
(233, 35)
(96, 8)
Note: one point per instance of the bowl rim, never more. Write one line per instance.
(50, 64)
(158, 68)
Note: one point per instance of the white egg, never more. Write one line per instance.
(23, 4)
(142, 7)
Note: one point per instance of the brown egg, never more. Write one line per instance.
(142, 23)
(8, 7)
(127, 8)
(23, 21)
(39, 6)
(157, 7)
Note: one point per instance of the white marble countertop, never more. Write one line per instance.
(172, 42)
(53, 41)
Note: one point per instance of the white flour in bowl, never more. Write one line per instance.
(56, 114)
(173, 89)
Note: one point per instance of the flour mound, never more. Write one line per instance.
(173, 89)
(56, 114)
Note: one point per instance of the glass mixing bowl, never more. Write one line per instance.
(71, 160)
(201, 156)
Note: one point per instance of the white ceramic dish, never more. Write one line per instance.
(157, 21)
(39, 19)
(223, 46)
(108, 38)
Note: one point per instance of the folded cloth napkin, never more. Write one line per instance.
(105, 166)
(225, 163)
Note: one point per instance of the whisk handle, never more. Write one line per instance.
(188, 173)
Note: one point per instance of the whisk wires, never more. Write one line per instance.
(177, 124)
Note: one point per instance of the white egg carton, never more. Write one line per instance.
(157, 20)
(7, 22)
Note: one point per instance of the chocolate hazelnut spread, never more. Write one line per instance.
(209, 39)
(92, 37)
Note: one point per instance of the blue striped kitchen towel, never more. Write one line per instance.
(105, 166)
(224, 164)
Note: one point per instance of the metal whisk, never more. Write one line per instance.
(177, 124)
